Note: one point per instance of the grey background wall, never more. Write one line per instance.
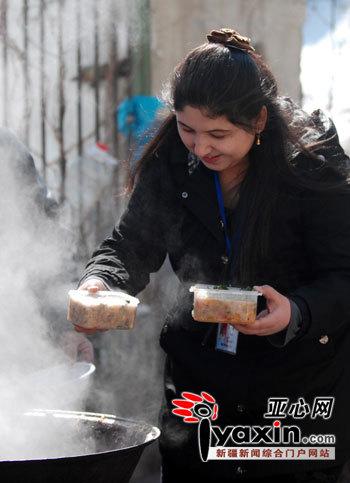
(274, 25)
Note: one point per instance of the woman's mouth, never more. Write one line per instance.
(210, 159)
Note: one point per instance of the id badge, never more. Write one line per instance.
(226, 339)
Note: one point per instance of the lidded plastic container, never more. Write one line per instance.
(213, 303)
(102, 310)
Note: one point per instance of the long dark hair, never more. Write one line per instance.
(226, 81)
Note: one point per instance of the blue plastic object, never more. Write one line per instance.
(136, 115)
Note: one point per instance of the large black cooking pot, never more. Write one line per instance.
(117, 446)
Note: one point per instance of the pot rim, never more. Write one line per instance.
(108, 419)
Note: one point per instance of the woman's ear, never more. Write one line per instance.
(261, 119)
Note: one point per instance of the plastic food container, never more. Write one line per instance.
(102, 310)
(231, 305)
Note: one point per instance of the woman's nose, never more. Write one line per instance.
(201, 148)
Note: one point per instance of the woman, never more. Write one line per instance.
(241, 187)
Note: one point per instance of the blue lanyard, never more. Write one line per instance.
(222, 212)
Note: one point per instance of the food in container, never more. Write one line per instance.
(102, 310)
(213, 303)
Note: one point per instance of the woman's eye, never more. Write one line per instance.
(191, 131)
(217, 136)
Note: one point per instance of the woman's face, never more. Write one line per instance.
(218, 143)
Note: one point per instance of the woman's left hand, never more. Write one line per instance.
(272, 320)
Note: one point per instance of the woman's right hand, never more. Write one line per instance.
(92, 285)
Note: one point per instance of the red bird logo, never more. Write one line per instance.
(193, 408)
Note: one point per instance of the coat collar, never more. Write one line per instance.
(196, 188)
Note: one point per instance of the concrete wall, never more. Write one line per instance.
(275, 25)
(327, 43)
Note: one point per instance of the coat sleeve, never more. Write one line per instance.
(325, 301)
(137, 245)
(17, 165)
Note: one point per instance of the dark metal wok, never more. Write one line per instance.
(118, 444)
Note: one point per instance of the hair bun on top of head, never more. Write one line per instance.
(230, 38)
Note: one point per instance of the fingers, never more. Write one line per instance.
(268, 320)
(77, 328)
(261, 333)
(262, 314)
(260, 324)
(93, 288)
(84, 330)
(77, 346)
(266, 323)
(258, 328)
(93, 285)
(268, 292)
(86, 351)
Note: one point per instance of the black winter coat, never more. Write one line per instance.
(173, 210)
